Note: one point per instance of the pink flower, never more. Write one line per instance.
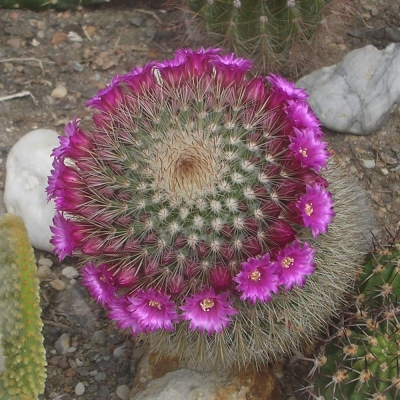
(285, 90)
(208, 311)
(76, 142)
(99, 282)
(300, 116)
(316, 209)
(119, 312)
(309, 150)
(294, 263)
(153, 310)
(65, 237)
(257, 279)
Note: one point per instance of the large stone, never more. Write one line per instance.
(165, 379)
(28, 166)
(358, 94)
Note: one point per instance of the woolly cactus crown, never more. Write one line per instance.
(194, 197)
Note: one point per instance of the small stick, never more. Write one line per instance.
(17, 95)
(40, 62)
(150, 13)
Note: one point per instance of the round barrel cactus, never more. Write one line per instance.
(205, 212)
(279, 34)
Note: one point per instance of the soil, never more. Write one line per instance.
(52, 62)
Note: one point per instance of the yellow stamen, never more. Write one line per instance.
(309, 209)
(206, 304)
(303, 152)
(154, 303)
(255, 275)
(287, 262)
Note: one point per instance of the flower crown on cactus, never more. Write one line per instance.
(194, 189)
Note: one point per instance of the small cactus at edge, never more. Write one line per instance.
(361, 360)
(46, 4)
(278, 35)
(22, 354)
(199, 201)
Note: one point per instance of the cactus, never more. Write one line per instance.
(360, 361)
(197, 201)
(46, 4)
(380, 276)
(24, 374)
(279, 34)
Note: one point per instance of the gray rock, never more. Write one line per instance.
(79, 389)
(99, 337)
(183, 384)
(123, 392)
(358, 94)
(62, 344)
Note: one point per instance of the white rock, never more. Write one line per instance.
(358, 94)
(182, 385)
(59, 92)
(79, 389)
(70, 272)
(368, 163)
(123, 392)
(28, 166)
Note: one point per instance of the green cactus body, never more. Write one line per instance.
(46, 4)
(363, 363)
(380, 279)
(24, 373)
(274, 33)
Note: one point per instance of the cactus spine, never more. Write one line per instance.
(276, 34)
(361, 360)
(46, 4)
(23, 375)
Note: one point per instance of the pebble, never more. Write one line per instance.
(59, 92)
(57, 284)
(45, 262)
(79, 389)
(70, 372)
(70, 272)
(368, 163)
(100, 376)
(384, 171)
(62, 344)
(99, 337)
(43, 272)
(123, 392)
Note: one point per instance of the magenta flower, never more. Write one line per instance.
(75, 144)
(316, 209)
(66, 236)
(300, 116)
(153, 310)
(257, 279)
(124, 318)
(309, 150)
(99, 281)
(208, 311)
(294, 263)
(285, 90)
